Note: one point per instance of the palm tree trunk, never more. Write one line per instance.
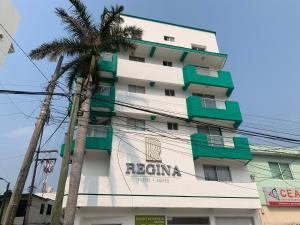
(57, 208)
(17, 191)
(77, 160)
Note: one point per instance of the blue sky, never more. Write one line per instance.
(261, 39)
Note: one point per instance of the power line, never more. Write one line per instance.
(24, 53)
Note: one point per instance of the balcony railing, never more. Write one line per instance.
(213, 103)
(99, 137)
(108, 63)
(201, 76)
(213, 109)
(104, 97)
(213, 146)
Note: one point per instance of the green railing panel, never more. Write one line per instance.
(191, 76)
(201, 148)
(196, 109)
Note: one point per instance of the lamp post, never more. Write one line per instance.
(4, 198)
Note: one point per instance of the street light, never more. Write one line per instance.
(4, 198)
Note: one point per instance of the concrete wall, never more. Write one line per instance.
(155, 31)
(9, 19)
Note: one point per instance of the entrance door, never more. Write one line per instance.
(234, 221)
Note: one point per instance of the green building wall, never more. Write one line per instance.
(259, 169)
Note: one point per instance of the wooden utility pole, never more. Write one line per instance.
(57, 208)
(19, 186)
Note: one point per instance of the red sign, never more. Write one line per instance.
(282, 196)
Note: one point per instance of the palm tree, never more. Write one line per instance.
(84, 45)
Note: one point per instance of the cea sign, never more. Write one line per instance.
(153, 165)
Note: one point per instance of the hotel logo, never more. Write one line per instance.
(152, 149)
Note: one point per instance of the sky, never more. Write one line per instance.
(261, 39)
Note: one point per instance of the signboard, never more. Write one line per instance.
(150, 220)
(282, 196)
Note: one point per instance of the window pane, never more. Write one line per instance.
(275, 170)
(131, 122)
(216, 140)
(286, 172)
(210, 173)
(131, 88)
(140, 124)
(223, 173)
(203, 129)
(140, 89)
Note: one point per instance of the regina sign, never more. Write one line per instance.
(282, 196)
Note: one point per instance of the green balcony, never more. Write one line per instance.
(198, 76)
(198, 107)
(104, 98)
(108, 64)
(202, 148)
(98, 138)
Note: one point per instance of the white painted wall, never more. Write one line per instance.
(126, 216)
(9, 19)
(129, 147)
(155, 31)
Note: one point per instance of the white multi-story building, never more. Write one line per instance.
(9, 20)
(161, 147)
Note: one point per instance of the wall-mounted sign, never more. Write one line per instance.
(282, 196)
(153, 165)
(150, 220)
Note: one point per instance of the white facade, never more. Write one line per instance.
(117, 187)
(9, 20)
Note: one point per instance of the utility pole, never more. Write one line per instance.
(31, 188)
(57, 208)
(25, 167)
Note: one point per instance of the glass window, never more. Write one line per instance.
(215, 137)
(169, 92)
(281, 171)
(104, 89)
(169, 38)
(198, 47)
(42, 209)
(136, 58)
(136, 89)
(188, 220)
(172, 126)
(49, 209)
(136, 124)
(167, 63)
(217, 173)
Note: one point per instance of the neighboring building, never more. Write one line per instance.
(40, 210)
(277, 174)
(9, 21)
(144, 168)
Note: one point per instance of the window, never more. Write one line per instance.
(281, 171)
(169, 38)
(136, 89)
(198, 47)
(42, 209)
(104, 89)
(167, 63)
(188, 220)
(136, 124)
(136, 58)
(49, 209)
(207, 100)
(169, 92)
(217, 173)
(172, 126)
(215, 137)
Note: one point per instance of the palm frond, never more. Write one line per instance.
(72, 25)
(109, 19)
(63, 46)
(82, 14)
